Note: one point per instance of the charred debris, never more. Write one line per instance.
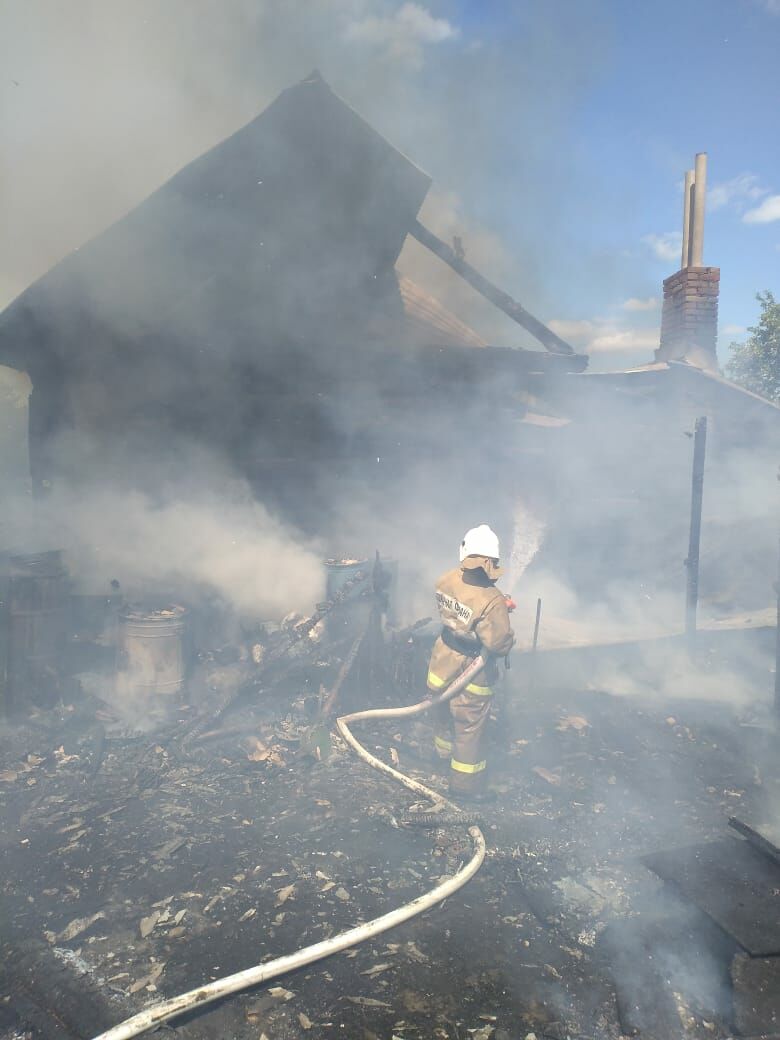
(176, 806)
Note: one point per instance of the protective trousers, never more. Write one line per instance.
(459, 728)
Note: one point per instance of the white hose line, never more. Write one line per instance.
(220, 988)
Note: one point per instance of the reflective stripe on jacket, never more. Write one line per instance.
(475, 610)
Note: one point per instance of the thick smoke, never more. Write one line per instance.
(106, 104)
(211, 539)
(602, 531)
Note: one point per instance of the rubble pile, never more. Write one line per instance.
(141, 864)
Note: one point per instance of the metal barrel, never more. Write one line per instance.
(38, 594)
(150, 660)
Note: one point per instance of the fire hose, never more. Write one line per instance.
(193, 999)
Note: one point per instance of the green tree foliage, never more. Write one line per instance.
(755, 364)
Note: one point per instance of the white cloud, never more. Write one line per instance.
(599, 336)
(768, 211)
(403, 34)
(732, 330)
(667, 246)
(625, 340)
(739, 191)
(652, 303)
(578, 331)
(770, 6)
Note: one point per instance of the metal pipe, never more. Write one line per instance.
(534, 644)
(687, 217)
(691, 208)
(536, 624)
(694, 538)
(699, 198)
(757, 840)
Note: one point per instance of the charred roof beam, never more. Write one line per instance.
(549, 340)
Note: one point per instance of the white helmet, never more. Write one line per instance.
(480, 541)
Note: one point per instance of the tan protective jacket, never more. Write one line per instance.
(473, 609)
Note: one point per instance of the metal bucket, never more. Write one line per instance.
(38, 596)
(339, 572)
(150, 661)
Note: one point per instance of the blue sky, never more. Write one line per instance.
(668, 79)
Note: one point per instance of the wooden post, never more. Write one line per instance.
(694, 539)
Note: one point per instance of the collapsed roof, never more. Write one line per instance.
(280, 224)
(232, 302)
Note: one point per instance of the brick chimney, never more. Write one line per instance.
(689, 320)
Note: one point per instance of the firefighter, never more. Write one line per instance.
(475, 620)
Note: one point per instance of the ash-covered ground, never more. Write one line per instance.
(134, 867)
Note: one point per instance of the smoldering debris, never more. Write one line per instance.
(169, 830)
(186, 860)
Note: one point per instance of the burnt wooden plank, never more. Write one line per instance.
(732, 883)
(653, 957)
(762, 838)
(643, 995)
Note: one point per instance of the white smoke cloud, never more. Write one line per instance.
(220, 543)
(121, 96)
(403, 34)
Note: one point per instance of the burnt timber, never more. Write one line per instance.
(251, 305)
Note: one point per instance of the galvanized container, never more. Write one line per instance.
(38, 597)
(339, 572)
(150, 659)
